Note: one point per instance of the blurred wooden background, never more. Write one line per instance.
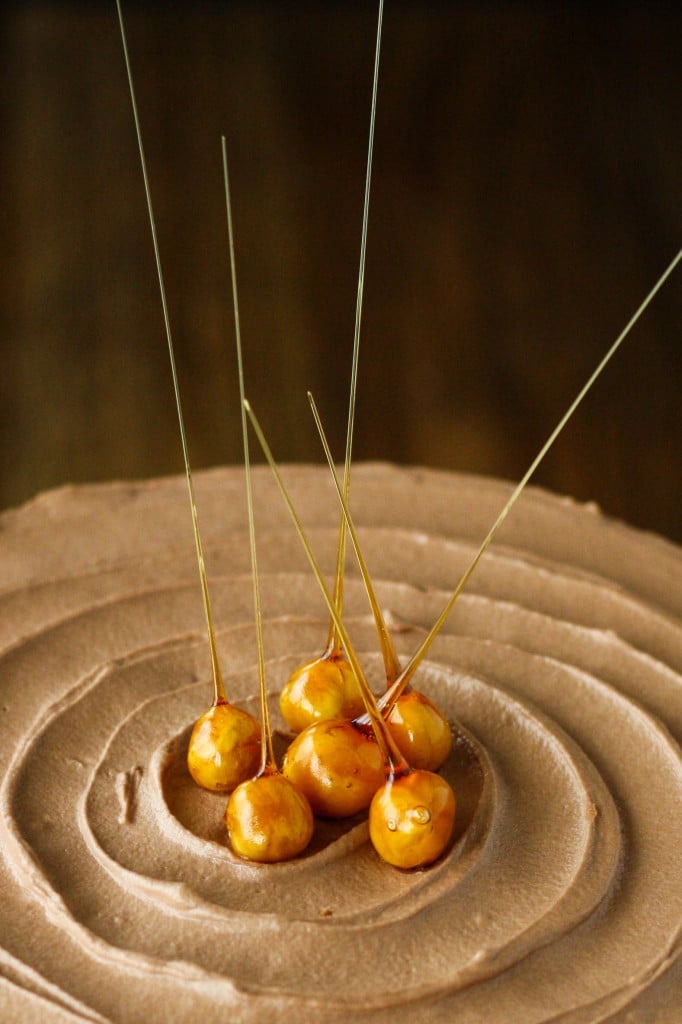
(526, 195)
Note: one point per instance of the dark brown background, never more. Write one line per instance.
(526, 195)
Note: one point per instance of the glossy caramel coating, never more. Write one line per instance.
(420, 729)
(411, 819)
(320, 689)
(337, 766)
(268, 819)
(224, 748)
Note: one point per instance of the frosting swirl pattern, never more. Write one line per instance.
(559, 898)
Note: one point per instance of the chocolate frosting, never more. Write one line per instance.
(560, 896)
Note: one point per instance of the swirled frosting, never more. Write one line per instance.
(560, 896)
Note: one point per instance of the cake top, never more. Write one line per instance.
(559, 669)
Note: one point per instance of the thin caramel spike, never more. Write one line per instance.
(409, 670)
(268, 761)
(391, 663)
(218, 686)
(386, 742)
(340, 560)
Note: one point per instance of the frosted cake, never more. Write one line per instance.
(560, 895)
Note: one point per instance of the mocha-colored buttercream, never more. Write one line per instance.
(560, 895)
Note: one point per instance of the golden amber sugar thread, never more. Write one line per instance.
(224, 746)
(422, 732)
(319, 688)
(389, 749)
(268, 755)
(358, 308)
(267, 818)
(403, 678)
(391, 663)
(218, 686)
(409, 670)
